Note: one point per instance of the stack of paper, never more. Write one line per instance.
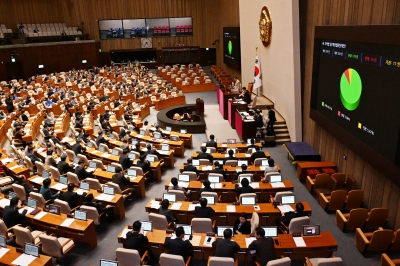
(59, 186)
(154, 204)
(176, 206)
(67, 222)
(40, 215)
(230, 208)
(37, 180)
(285, 208)
(192, 207)
(124, 232)
(255, 184)
(23, 259)
(105, 197)
(277, 184)
(4, 203)
(249, 240)
(208, 243)
(299, 241)
(207, 168)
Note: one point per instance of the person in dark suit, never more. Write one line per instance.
(100, 209)
(11, 215)
(175, 186)
(225, 247)
(178, 246)
(242, 226)
(189, 167)
(32, 156)
(71, 197)
(258, 118)
(81, 172)
(77, 147)
(145, 165)
(203, 211)
(271, 118)
(245, 188)
(100, 139)
(219, 169)
(246, 96)
(290, 215)
(119, 178)
(137, 149)
(264, 247)
(211, 142)
(152, 151)
(231, 156)
(124, 160)
(166, 212)
(9, 104)
(136, 240)
(62, 166)
(257, 154)
(207, 187)
(244, 168)
(205, 155)
(252, 144)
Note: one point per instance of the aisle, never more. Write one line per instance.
(217, 125)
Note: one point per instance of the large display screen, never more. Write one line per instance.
(231, 44)
(355, 95)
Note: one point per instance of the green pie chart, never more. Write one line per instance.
(230, 47)
(350, 89)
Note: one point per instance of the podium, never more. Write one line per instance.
(199, 106)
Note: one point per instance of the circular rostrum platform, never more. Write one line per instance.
(165, 119)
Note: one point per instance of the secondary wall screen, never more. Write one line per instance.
(359, 90)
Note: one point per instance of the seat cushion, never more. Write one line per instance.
(62, 240)
(324, 191)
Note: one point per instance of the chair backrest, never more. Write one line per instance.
(116, 165)
(155, 158)
(247, 195)
(159, 221)
(22, 235)
(355, 198)
(94, 145)
(106, 149)
(254, 222)
(204, 162)
(99, 164)
(201, 225)
(20, 191)
(350, 183)
(93, 183)
(83, 158)
(139, 170)
(220, 261)
(50, 245)
(127, 257)
(39, 167)
(70, 154)
(73, 178)
(280, 262)
(279, 195)
(258, 161)
(340, 178)
(231, 163)
(220, 176)
(396, 241)
(91, 213)
(59, 149)
(296, 224)
(117, 189)
(171, 260)
(321, 180)
(28, 163)
(55, 174)
(338, 198)
(377, 218)
(192, 175)
(332, 184)
(327, 261)
(3, 229)
(210, 194)
(381, 240)
(180, 195)
(64, 206)
(357, 218)
(40, 202)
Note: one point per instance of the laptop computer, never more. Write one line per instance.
(101, 148)
(170, 197)
(134, 142)
(183, 178)
(249, 201)
(147, 226)
(187, 228)
(131, 172)
(165, 147)
(115, 152)
(3, 242)
(142, 132)
(84, 185)
(132, 156)
(80, 215)
(54, 209)
(288, 200)
(311, 230)
(245, 162)
(45, 174)
(241, 177)
(270, 231)
(231, 141)
(32, 203)
(11, 195)
(264, 163)
(92, 165)
(249, 141)
(108, 190)
(221, 229)
(208, 151)
(210, 200)
(63, 180)
(108, 263)
(275, 178)
(31, 249)
(157, 135)
(110, 168)
(183, 131)
(89, 144)
(151, 159)
(168, 129)
(196, 162)
(213, 178)
(76, 160)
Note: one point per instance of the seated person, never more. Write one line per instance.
(62, 166)
(225, 247)
(77, 147)
(205, 155)
(271, 166)
(175, 186)
(19, 180)
(166, 212)
(101, 139)
(81, 172)
(203, 211)
(100, 209)
(152, 151)
(211, 142)
(244, 171)
(290, 215)
(124, 160)
(207, 187)
(231, 156)
(178, 246)
(245, 188)
(219, 169)
(46, 191)
(11, 215)
(145, 165)
(49, 160)
(120, 179)
(190, 168)
(264, 247)
(136, 240)
(242, 226)
(71, 197)
(252, 144)
(257, 154)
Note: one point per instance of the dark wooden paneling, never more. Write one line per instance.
(379, 190)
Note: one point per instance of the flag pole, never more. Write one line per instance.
(258, 89)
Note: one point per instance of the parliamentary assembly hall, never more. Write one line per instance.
(200, 132)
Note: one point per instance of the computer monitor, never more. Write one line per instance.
(187, 228)
(132, 156)
(213, 178)
(157, 135)
(11, 195)
(45, 174)
(264, 163)
(249, 141)
(76, 160)
(231, 141)
(210, 200)
(275, 178)
(108, 263)
(101, 148)
(92, 164)
(248, 200)
(108, 190)
(31, 249)
(134, 142)
(208, 151)
(196, 162)
(183, 131)
(221, 162)
(183, 178)
(3, 242)
(245, 162)
(221, 229)
(147, 226)
(84, 185)
(142, 132)
(168, 129)
(311, 230)
(288, 200)
(170, 197)
(110, 168)
(32, 203)
(115, 152)
(151, 159)
(80, 215)
(89, 144)
(63, 180)
(248, 177)
(270, 231)
(40, 66)
(131, 172)
(54, 209)
(165, 147)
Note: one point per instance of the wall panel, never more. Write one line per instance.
(379, 191)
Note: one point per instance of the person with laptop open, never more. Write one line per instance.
(290, 215)
(101, 139)
(207, 187)
(62, 166)
(135, 239)
(244, 168)
(189, 167)
(218, 169)
(242, 226)
(11, 215)
(211, 142)
(166, 212)
(178, 246)
(231, 156)
(252, 144)
(204, 155)
(245, 188)
(46, 191)
(100, 209)
(71, 197)
(124, 160)
(151, 150)
(257, 154)
(77, 147)
(145, 165)
(203, 211)
(120, 179)
(81, 172)
(271, 166)
(175, 186)
(225, 247)
(264, 247)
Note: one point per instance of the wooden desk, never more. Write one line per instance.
(15, 169)
(32, 109)
(245, 129)
(223, 101)
(267, 212)
(239, 156)
(302, 168)
(62, 125)
(12, 254)
(242, 147)
(177, 146)
(227, 190)
(143, 112)
(6, 124)
(186, 138)
(55, 108)
(32, 127)
(88, 124)
(179, 100)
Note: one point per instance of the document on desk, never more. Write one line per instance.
(195, 240)
(249, 240)
(207, 168)
(105, 197)
(285, 208)
(106, 155)
(24, 260)
(262, 168)
(125, 231)
(37, 180)
(248, 155)
(278, 184)
(203, 144)
(183, 184)
(192, 206)
(6, 160)
(15, 167)
(299, 241)
(255, 184)
(231, 208)
(224, 145)
(209, 244)
(154, 204)
(139, 136)
(217, 185)
(67, 222)
(176, 205)
(3, 251)
(4, 203)
(40, 215)
(59, 186)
